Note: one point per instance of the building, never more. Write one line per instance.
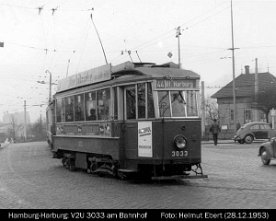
(247, 85)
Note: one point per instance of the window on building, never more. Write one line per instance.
(247, 116)
(231, 115)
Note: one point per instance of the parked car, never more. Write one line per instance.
(267, 151)
(253, 131)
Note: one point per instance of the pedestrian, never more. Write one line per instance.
(215, 130)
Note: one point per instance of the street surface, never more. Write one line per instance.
(31, 178)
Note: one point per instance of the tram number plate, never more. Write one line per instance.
(176, 153)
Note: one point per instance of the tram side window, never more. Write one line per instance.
(79, 107)
(178, 104)
(91, 106)
(69, 108)
(103, 104)
(60, 110)
(150, 101)
(115, 100)
(192, 104)
(164, 104)
(131, 102)
(141, 101)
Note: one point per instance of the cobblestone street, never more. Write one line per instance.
(31, 178)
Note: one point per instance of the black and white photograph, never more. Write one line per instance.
(138, 106)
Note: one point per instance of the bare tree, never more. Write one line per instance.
(13, 127)
(211, 108)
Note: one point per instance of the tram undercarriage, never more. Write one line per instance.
(104, 165)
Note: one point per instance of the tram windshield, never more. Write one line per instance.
(178, 103)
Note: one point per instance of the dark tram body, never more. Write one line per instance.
(134, 118)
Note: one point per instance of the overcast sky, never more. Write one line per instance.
(41, 35)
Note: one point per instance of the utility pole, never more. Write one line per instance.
(178, 33)
(233, 67)
(50, 86)
(25, 122)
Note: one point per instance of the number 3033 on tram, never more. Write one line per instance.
(128, 119)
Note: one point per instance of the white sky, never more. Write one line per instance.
(145, 26)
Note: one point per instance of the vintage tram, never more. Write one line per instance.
(133, 118)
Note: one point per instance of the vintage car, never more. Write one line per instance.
(267, 151)
(254, 131)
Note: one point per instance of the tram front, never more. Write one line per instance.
(176, 133)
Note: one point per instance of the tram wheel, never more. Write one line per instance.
(93, 167)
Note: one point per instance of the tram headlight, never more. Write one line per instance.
(180, 141)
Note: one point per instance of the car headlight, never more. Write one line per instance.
(180, 141)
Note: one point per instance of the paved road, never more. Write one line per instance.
(31, 178)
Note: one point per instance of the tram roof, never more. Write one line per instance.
(125, 71)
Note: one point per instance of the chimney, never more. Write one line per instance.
(246, 67)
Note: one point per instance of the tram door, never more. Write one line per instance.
(138, 113)
(130, 127)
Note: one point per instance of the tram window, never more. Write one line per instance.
(164, 104)
(79, 103)
(131, 102)
(60, 110)
(191, 104)
(141, 101)
(150, 101)
(178, 104)
(115, 100)
(91, 106)
(103, 98)
(69, 109)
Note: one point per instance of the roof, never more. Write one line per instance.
(245, 85)
(125, 71)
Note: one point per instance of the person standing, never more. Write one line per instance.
(215, 130)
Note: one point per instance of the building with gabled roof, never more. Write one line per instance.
(247, 85)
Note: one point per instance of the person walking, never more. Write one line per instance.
(215, 130)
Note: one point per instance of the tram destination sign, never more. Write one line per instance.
(91, 76)
(175, 84)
